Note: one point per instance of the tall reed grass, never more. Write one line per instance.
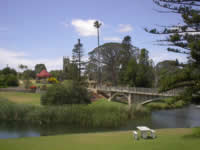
(85, 116)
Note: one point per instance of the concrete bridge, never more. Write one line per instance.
(135, 94)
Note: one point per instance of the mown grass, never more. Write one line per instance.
(168, 139)
(21, 98)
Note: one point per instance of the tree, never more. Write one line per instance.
(77, 55)
(8, 70)
(8, 77)
(39, 68)
(164, 69)
(29, 74)
(129, 53)
(183, 39)
(145, 74)
(73, 72)
(97, 25)
(110, 59)
(130, 74)
(22, 67)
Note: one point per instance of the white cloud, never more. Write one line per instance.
(168, 56)
(125, 28)
(13, 59)
(113, 39)
(85, 27)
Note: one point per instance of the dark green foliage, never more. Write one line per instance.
(28, 74)
(77, 56)
(130, 74)
(3, 81)
(184, 39)
(8, 77)
(66, 93)
(139, 74)
(8, 70)
(72, 72)
(39, 68)
(11, 80)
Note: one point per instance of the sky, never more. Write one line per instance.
(43, 31)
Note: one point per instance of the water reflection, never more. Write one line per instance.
(179, 118)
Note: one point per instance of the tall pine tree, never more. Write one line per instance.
(183, 38)
(77, 55)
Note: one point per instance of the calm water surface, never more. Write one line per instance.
(179, 118)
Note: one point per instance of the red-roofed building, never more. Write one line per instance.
(43, 74)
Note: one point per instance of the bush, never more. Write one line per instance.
(3, 81)
(66, 93)
(11, 80)
(52, 80)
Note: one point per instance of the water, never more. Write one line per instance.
(179, 118)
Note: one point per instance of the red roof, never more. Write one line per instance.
(43, 74)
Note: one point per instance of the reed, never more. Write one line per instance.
(97, 115)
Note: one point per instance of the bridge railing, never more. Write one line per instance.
(172, 92)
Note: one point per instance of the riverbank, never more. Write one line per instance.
(173, 139)
(168, 103)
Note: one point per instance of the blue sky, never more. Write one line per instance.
(43, 31)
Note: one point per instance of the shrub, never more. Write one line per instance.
(67, 93)
(11, 80)
(2, 81)
(52, 80)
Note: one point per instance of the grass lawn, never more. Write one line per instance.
(168, 139)
(22, 98)
(34, 98)
(105, 102)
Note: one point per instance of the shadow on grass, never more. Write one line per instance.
(191, 137)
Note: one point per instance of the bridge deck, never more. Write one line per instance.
(140, 91)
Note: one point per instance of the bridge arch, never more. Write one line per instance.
(118, 94)
(151, 100)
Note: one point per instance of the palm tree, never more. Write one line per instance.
(97, 25)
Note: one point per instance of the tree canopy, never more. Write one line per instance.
(39, 68)
(183, 38)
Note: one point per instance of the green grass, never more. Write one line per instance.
(105, 102)
(168, 103)
(168, 139)
(21, 98)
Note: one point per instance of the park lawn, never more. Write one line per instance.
(168, 139)
(34, 99)
(21, 98)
